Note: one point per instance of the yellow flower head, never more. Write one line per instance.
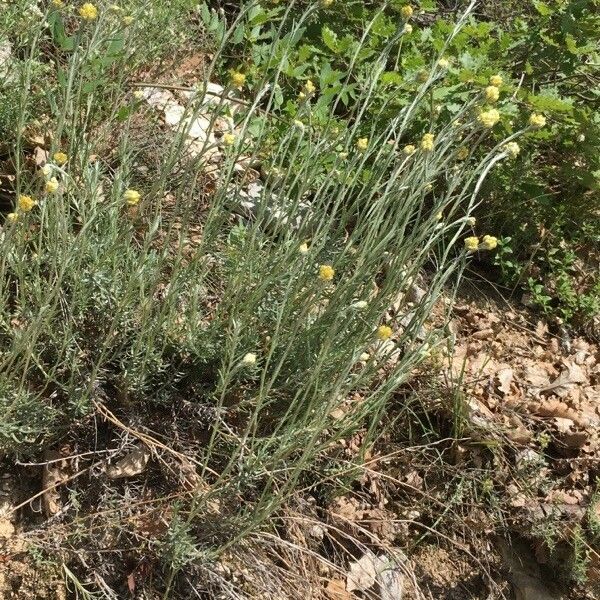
(362, 144)
(439, 216)
(309, 87)
(512, 149)
(471, 221)
(489, 242)
(462, 153)
(407, 29)
(489, 118)
(127, 20)
(88, 12)
(58, 3)
(444, 63)
(492, 93)
(427, 142)
(407, 12)
(131, 197)
(326, 273)
(472, 243)
(228, 139)
(496, 80)
(384, 332)
(537, 121)
(303, 248)
(409, 150)
(326, 3)
(249, 359)
(60, 158)
(237, 79)
(51, 185)
(12, 217)
(26, 203)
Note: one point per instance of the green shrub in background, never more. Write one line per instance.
(545, 205)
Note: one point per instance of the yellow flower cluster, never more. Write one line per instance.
(60, 158)
(492, 93)
(88, 12)
(489, 118)
(489, 242)
(444, 63)
(496, 80)
(427, 142)
(537, 121)
(249, 359)
(472, 243)
(407, 12)
(228, 139)
(407, 29)
(409, 150)
(326, 273)
(237, 79)
(384, 332)
(512, 149)
(131, 197)
(127, 20)
(51, 185)
(26, 203)
(309, 88)
(362, 144)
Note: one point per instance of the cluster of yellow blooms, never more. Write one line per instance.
(228, 139)
(88, 12)
(512, 149)
(427, 142)
(309, 88)
(362, 144)
(488, 118)
(132, 197)
(60, 158)
(384, 332)
(492, 93)
(237, 79)
(537, 121)
(407, 12)
(326, 273)
(496, 80)
(26, 203)
(472, 243)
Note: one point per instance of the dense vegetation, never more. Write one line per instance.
(247, 269)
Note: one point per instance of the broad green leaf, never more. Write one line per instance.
(330, 39)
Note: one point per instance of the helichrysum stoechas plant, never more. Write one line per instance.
(248, 307)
